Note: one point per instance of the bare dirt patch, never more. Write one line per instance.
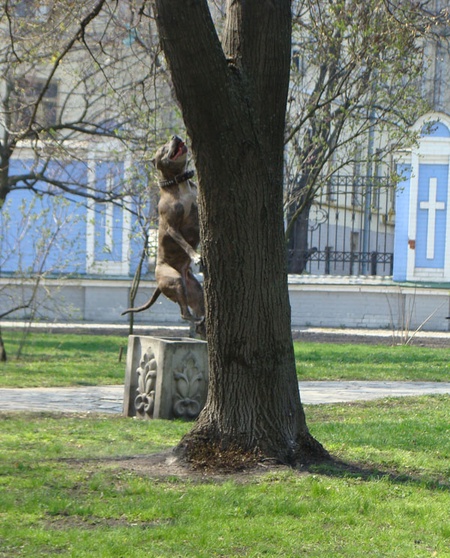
(166, 465)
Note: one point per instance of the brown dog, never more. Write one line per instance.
(178, 235)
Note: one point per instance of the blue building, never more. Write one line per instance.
(70, 235)
(422, 226)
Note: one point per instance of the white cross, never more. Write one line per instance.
(432, 205)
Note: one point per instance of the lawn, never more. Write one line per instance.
(71, 360)
(70, 487)
(53, 359)
(324, 361)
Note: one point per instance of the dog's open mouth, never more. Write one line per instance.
(180, 149)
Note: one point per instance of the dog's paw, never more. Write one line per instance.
(197, 259)
(200, 327)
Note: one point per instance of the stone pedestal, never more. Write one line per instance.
(165, 377)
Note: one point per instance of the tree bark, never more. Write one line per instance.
(3, 357)
(298, 245)
(233, 100)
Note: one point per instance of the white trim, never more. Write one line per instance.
(109, 217)
(412, 224)
(126, 218)
(427, 273)
(90, 219)
(107, 267)
(447, 235)
(432, 117)
(432, 152)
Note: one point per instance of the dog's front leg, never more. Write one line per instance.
(178, 237)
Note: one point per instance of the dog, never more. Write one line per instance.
(178, 235)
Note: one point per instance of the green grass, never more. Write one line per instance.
(325, 361)
(60, 495)
(75, 360)
(51, 359)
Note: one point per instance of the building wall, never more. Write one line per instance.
(422, 232)
(315, 301)
(368, 303)
(56, 235)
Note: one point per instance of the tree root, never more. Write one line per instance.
(202, 452)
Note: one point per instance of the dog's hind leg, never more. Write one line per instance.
(194, 293)
(173, 286)
(196, 302)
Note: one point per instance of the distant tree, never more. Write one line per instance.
(74, 74)
(80, 80)
(233, 97)
(356, 79)
(24, 292)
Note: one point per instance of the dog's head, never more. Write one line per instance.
(171, 158)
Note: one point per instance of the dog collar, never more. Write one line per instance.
(177, 180)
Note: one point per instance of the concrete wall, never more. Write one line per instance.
(368, 303)
(353, 302)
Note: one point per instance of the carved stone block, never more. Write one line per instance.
(165, 377)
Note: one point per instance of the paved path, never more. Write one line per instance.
(108, 399)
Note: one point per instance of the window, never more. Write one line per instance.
(28, 9)
(25, 95)
(298, 61)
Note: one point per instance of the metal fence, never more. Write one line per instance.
(350, 229)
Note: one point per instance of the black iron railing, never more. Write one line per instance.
(350, 229)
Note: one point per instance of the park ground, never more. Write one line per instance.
(78, 485)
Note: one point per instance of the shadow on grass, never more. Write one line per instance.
(165, 465)
(348, 470)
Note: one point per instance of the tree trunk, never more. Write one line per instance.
(4, 184)
(3, 357)
(233, 101)
(298, 245)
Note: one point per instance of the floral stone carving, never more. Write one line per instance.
(189, 388)
(146, 373)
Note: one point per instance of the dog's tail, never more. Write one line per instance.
(147, 305)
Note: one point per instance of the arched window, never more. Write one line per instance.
(435, 129)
